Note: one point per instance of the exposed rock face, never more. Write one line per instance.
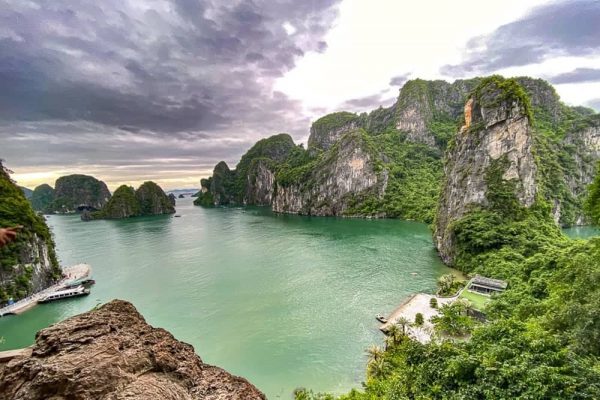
(42, 197)
(326, 131)
(252, 180)
(172, 199)
(584, 141)
(347, 172)
(407, 143)
(29, 263)
(74, 193)
(260, 183)
(423, 102)
(500, 136)
(112, 353)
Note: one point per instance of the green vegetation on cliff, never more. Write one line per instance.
(16, 261)
(148, 199)
(78, 192)
(542, 338)
(42, 197)
(592, 203)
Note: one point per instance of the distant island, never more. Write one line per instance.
(148, 199)
(71, 193)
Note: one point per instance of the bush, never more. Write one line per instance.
(433, 303)
(419, 319)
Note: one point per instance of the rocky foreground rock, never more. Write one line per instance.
(112, 353)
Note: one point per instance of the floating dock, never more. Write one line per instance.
(79, 271)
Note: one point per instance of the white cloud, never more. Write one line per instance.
(374, 40)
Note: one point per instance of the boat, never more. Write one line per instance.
(381, 318)
(65, 294)
(79, 282)
(177, 216)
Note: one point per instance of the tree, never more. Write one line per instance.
(419, 320)
(394, 335)
(453, 320)
(374, 353)
(445, 284)
(592, 203)
(433, 303)
(403, 323)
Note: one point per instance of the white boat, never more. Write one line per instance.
(381, 318)
(65, 294)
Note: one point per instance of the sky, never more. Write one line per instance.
(162, 90)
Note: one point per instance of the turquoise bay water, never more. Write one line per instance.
(284, 301)
(582, 232)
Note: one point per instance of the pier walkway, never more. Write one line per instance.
(75, 272)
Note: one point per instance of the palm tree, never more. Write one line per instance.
(375, 353)
(394, 335)
(376, 369)
(403, 323)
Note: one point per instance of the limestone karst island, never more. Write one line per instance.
(323, 200)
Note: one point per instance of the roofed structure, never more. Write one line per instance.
(483, 285)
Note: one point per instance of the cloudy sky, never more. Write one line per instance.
(132, 90)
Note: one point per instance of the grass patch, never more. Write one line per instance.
(478, 301)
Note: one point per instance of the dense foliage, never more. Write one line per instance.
(42, 197)
(542, 338)
(148, 199)
(592, 204)
(15, 210)
(72, 192)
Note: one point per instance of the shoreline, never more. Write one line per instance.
(74, 272)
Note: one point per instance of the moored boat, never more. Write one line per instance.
(79, 282)
(381, 318)
(65, 294)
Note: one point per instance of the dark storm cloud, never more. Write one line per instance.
(570, 28)
(164, 69)
(577, 75)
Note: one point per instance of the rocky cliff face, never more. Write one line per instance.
(253, 178)
(112, 353)
(75, 193)
(348, 171)
(406, 144)
(328, 130)
(423, 105)
(29, 263)
(494, 146)
(582, 142)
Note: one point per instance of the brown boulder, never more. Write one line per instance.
(112, 353)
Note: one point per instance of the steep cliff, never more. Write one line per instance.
(28, 264)
(252, 180)
(328, 130)
(334, 182)
(74, 193)
(406, 145)
(490, 164)
(112, 353)
(42, 197)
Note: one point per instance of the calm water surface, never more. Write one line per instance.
(284, 301)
